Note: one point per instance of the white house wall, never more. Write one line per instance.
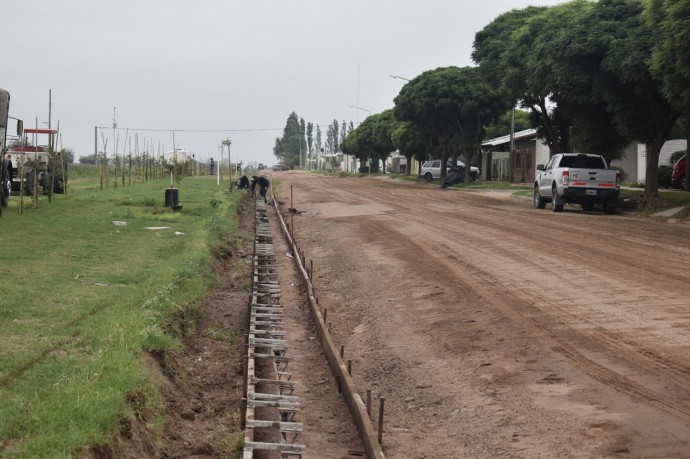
(634, 161)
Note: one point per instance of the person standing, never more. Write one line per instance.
(263, 184)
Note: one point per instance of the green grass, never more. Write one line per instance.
(83, 298)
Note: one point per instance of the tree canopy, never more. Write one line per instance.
(582, 70)
(454, 105)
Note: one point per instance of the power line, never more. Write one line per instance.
(191, 130)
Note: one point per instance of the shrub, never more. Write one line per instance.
(664, 177)
(676, 156)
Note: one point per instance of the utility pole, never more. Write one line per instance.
(50, 110)
(511, 155)
(114, 127)
(227, 143)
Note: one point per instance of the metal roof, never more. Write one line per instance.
(506, 138)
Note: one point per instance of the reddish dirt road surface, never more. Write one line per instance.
(497, 330)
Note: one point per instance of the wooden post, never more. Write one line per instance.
(382, 401)
(311, 270)
(342, 350)
(325, 314)
(292, 223)
(369, 403)
(349, 367)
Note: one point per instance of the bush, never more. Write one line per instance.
(364, 169)
(664, 177)
(676, 156)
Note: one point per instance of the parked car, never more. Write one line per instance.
(432, 170)
(678, 177)
(577, 178)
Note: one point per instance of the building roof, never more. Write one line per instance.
(506, 138)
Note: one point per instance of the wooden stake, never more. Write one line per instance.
(382, 401)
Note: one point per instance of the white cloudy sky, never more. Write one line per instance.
(241, 66)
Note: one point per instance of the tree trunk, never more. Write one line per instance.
(408, 161)
(687, 149)
(651, 186)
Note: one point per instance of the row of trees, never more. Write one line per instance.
(301, 143)
(593, 76)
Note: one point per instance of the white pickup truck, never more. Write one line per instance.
(577, 178)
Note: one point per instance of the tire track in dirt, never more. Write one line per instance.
(640, 355)
(565, 347)
(624, 335)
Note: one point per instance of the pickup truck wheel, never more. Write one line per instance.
(609, 210)
(554, 200)
(588, 206)
(428, 177)
(539, 201)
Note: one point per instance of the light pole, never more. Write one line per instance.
(360, 108)
(227, 143)
(114, 128)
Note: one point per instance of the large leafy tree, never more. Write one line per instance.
(288, 147)
(410, 140)
(371, 140)
(502, 50)
(633, 96)
(310, 140)
(332, 137)
(589, 60)
(454, 105)
(565, 62)
(382, 145)
(670, 62)
(501, 126)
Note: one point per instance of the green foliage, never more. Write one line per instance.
(453, 105)
(88, 159)
(676, 156)
(664, 174)
(288, 148)
(88, 297)
(582, 70)
(501, 126)
(670, 61)
(372, 138)
(410, 140)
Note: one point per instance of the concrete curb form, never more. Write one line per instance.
(354, 401)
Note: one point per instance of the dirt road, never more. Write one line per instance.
(494, 329)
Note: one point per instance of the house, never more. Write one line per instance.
(634, 160)
(529, 151)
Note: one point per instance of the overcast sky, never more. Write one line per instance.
(240, 66)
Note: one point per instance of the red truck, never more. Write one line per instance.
(678, 177)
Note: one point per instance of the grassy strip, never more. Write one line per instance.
(83, 297)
